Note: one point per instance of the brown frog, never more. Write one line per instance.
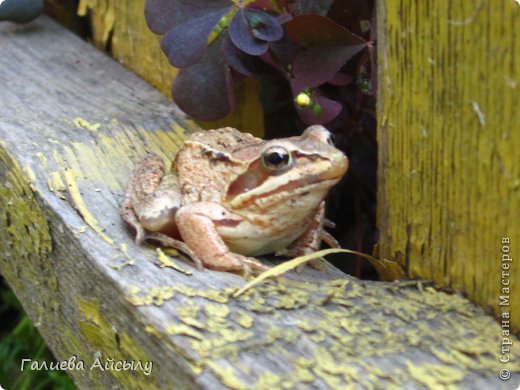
(230, 196)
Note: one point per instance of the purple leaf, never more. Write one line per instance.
(263, 26)
(202, 90)
(163, 15)
(268, 5)
(186, 44)
(315, 30)
(241, 62)
(242, 36)
(329, 110)
(317, 65)
(284, 18)
(251, 30)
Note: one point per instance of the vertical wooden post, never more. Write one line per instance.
(449, 136)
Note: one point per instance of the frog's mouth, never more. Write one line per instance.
(281, 188)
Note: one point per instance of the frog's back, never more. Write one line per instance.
(205, 164)
(226, 139)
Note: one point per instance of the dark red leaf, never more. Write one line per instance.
(354, 15)
(202, 90)
(242, 36)
(373, 70)
(284, 52)
(373, 24)
(315, 30)
(317, 65)
(341, 79)
(163, 15)
(330, 109)
(186, 44)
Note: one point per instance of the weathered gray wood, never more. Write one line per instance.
(71, 118)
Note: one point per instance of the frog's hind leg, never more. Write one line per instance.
(151, 199)
(196, 224)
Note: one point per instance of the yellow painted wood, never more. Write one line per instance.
(122, 27)
(449, 170)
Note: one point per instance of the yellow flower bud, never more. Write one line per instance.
(303, 100)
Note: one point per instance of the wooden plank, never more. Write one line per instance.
(121, 26)
(72, 123)
(449, 139)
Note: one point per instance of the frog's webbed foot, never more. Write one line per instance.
(249, 264)
(167, 241)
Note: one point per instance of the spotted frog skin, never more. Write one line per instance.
(230, 196)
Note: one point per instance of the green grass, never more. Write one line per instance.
(19, 339)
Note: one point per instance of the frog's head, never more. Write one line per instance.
(294, 172)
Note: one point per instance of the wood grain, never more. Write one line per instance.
(449, 173)
(72, 124)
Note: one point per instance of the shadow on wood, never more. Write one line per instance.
(72, 124)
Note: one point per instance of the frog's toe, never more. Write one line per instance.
(253, 264)
(167, 241)
(140, 235)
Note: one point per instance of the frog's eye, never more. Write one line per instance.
(331, 140)
(276, 159)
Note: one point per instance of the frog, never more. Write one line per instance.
(230, 197)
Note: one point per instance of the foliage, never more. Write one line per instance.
(218, 42)
(19, 339)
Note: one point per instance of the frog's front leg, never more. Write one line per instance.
(310, 240)
(197, 224)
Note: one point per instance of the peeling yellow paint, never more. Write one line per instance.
(56, 184)
(245, 320)
(165, 261)
(435, 376)
(100, 332)
(179, 329)
(128, 260)
(80, 206)
(43, 159)
(29, 173)
(84, 124)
